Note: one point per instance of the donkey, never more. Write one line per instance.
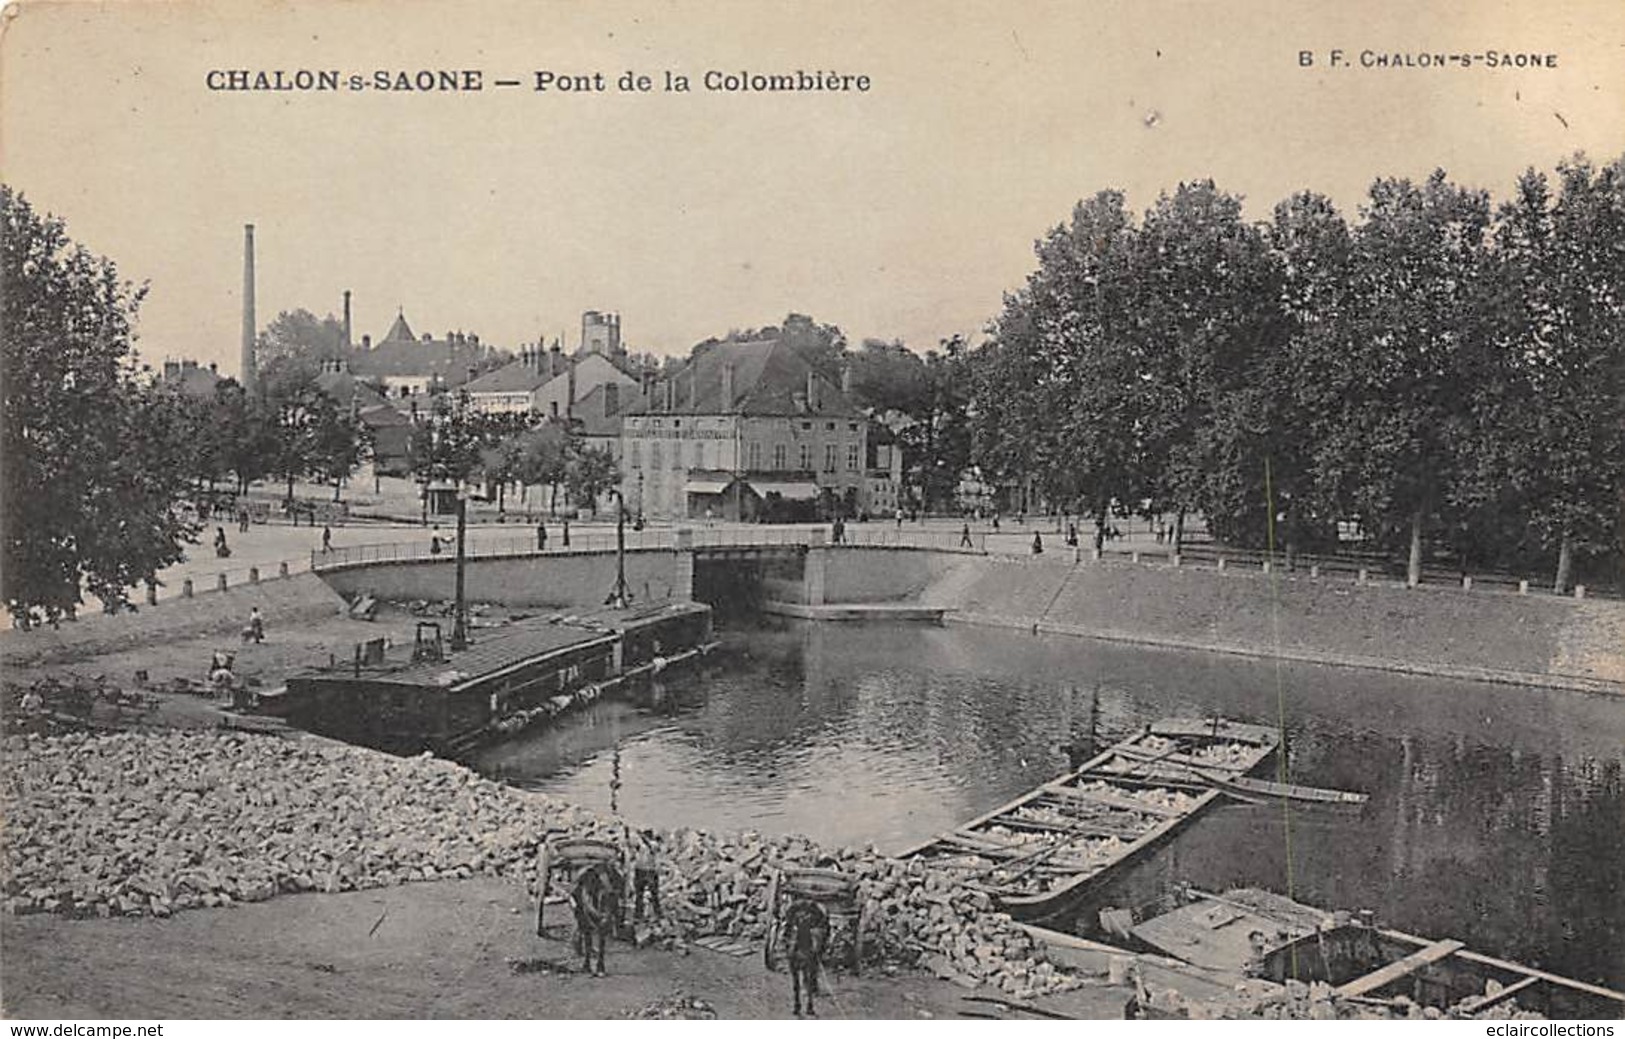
(807, 933)
(596, 900)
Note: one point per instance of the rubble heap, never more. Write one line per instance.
(151, 824)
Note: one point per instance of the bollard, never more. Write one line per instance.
(1314, 570)
(1579, 591)
(1221, 563)
(1466, 583)
(1174, 559)
(253, 575)
(186, 588)
(1095, 554)
(221, 582)
(1269, 565)
(282, 569)
(1134, 557)
(1523, 587)
(1077, 555)
(1363, 576)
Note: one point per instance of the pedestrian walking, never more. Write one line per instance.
(566, 534)
(221, 549)
(1038, 543)
(256, 625)
(838, 531)
(434, 541)
(541, 536)
(995, 522)
(964, 537)
(1072, 535)
(899, 519)
(327, 539)
(242, 521)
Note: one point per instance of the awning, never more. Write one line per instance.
(705, 486)
(789, 489)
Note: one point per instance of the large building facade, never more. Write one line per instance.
(746, 430)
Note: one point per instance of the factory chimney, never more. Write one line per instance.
(347, 342)
(249, 374)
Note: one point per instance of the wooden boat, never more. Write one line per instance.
(1039, 855)
(1259, 791)
(1260, 935)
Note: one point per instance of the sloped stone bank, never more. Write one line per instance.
(137, 824)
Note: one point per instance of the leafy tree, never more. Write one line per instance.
(446, 443)
(93, 463)
(1558, 435)
(339, 441)
(544, 458)
(298, 336)
(1405, 372)
(589, 472)
(888, 376)
(1058, 396)
(1205, 311)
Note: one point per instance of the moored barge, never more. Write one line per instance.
(424, 696)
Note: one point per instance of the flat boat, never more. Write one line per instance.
(1039, 855)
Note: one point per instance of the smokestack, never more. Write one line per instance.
(249, 374)
(347, 319)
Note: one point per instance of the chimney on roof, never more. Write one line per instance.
(366, 342)
(214, 368)
(570, 390)
(172, 369)
(555, 360)
(347, 342)
(727, 387)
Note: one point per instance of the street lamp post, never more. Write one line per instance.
(459, 624)
(620, 597)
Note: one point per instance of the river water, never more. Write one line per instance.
(1497, 813)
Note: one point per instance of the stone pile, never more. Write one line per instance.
(144, 823)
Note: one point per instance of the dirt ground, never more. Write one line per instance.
(435, 950)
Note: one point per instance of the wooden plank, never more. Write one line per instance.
(1400, 968)
(1117, 801)
(1473, 1006)
(1086, 829)
(1135, 753)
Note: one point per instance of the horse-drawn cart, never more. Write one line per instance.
(835, 891)
(570, 855)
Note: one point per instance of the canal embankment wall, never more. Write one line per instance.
(577, 580)
(299, 599)
(1495, 636)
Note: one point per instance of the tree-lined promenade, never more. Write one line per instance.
(1444, 371)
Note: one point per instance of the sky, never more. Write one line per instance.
(906, 211)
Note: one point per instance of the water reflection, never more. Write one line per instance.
(1495, 813)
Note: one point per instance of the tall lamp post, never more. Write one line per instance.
(459, 624)
(620, 597)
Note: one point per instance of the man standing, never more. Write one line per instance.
(645, 872)
(327, 539)
(964, 537)
(541, 536)
(256, 625)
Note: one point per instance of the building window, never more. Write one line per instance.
(654, 455)
(637, 455)
(755, 454)
(852, 457)
(677, 455)
(851, 427)
(806, 425)
(778, 456)
(829, 426)
(829, 458)
(806, 456)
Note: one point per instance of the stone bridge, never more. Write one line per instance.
(719, 565)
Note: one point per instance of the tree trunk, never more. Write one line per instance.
(336, 485)
(1565, 564)
(290, 489)
(1100, 529)
(502, 495)
(1413, 569)
(553, 500)
(1179, 531)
